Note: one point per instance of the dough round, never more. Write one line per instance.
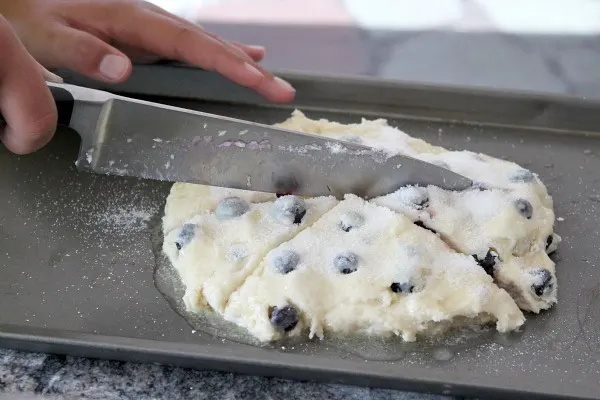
(412, 263)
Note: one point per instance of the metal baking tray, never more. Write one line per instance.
(77, 249)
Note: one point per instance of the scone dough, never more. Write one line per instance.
(215, 254)
(412, 263)
(511, 215)
(397, 278)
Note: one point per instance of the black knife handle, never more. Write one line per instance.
(64, 105)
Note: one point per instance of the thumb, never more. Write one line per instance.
(25, 101)
(49, 76)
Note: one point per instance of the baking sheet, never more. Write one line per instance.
(77, 263)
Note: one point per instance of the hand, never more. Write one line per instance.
(25, 101)
(93, 37)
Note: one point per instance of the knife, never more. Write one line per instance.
(129, 137)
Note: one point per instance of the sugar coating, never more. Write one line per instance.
(411, 263)
(389, 248)
(186, 200)
(222, 253)
(472, 221)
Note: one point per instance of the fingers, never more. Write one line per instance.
(181, 42)
(136, 55)
(86, 54)
(49, 76)
(25, 101)
(256, 53)
(168, 38)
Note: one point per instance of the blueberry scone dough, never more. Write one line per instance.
(364, 269)
(506, 232)
(414, 262)
(216, 250)
(506, 222)
(186, 200)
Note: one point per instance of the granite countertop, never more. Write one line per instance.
(50, 376)
(540, 45)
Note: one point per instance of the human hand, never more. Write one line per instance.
(26, 105)
(96, 37)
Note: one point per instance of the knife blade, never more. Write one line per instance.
(129, 137)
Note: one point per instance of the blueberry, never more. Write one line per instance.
(481, 186)
(488, 263)
(284, 318)
(351, 221)
(524, 208)
(231, 207)
(398, 287)
(187, 233)
(346, 262)
(414, 196)
(543, 281)
(422, 225)
(237, 253)
(422, 203)
(522, 175)
(284, 261)
(289, 210)
(549, 241)
(551, 246)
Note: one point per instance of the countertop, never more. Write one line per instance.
(539, 45)
(51, 376)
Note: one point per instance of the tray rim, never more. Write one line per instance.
(202, 356)
(297, 75)
(547, 111)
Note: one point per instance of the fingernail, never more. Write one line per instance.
(113, 67)
(252, 70)
(283, 85)
(254, 47)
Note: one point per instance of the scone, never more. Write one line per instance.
(412, 263)
(506, 232)
(506, 224)
(186, 200)
(215, 251)
(364, 269)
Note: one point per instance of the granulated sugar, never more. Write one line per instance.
(127, 218)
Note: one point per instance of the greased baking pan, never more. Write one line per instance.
(76, 267)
